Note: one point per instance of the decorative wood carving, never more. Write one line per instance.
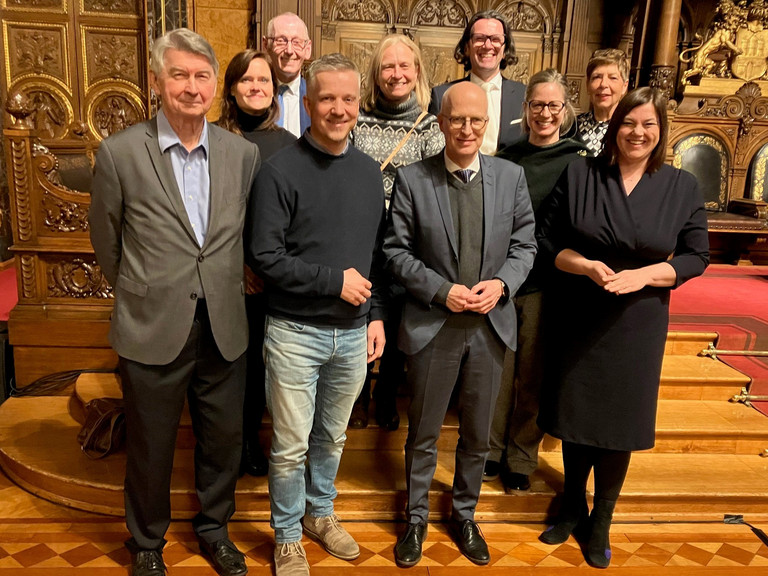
(21, 176)
(27, 276)
(63, 216)
(449, 13)
(51, 118)
(78, 278)
(36, 51)
(663, 79)
(35, 4)
(361, 11)
(704, 139)
(111, 56)
(113, 111)
(524, 17)
(111, 6)
(439, 65)
(521, 71)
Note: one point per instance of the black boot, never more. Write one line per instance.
(572, 518)
(598, 553)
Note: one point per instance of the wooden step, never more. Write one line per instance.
(703, 426)
(699, 378)
(38, 450)
(688, 343)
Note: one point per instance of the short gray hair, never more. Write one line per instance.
(271, 23)
(334, 62)
(184, 40)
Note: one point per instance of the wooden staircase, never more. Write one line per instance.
(706, 461)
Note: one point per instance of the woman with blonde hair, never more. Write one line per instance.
(394, 129)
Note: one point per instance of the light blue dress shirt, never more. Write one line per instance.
(190, 168)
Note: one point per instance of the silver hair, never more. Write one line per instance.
(329, 63)
(184, 40)
(271, 23)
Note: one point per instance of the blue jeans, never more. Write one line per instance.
(313, 375)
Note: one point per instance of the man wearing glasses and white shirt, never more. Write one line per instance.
(485, 49)
(287, 42)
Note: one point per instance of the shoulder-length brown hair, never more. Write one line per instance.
(237, 68)
(460, 53)
(371, 89)
(632, 100)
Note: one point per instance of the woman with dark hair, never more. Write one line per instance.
(622, 230)
(543, 153)
(249, 107)
(394, 129)
(607, 80)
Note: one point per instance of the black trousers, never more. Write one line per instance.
(468, 355)
(154, 400)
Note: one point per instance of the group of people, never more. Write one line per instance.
(270, 258)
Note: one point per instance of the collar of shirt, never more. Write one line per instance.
(451, 166)
(495, 81)
(167, 137)
(294, 86)
(317, 146)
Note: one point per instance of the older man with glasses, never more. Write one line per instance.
(485, 49)
(460, 241)
(287, 42)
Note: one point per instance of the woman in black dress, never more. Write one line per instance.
(250, 108)
(622, 230)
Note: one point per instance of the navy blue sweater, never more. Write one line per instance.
(312, 216)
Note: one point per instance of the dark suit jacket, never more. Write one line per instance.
(304, 120)
(147, 249)
(421, 245)
(512, 96)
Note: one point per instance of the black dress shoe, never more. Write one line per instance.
(359, 417)
(387, 416)
(469, 538)
(491, 470)
(147, 563)
(225, 557)
(254, 462)
(408, 547)
(515, 480)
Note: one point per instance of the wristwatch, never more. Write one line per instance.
(504, 289)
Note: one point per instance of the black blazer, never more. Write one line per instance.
(512, 96)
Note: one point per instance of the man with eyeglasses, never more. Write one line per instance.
(485, 49)
(460, 240)
(288, 44)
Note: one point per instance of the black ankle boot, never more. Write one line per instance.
(572, 518)
(598, 546)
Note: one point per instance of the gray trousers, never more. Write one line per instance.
(466, 354)
(514, 433)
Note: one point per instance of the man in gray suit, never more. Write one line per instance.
(166, 224)
(460, 240)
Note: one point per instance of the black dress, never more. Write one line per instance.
(603, 351)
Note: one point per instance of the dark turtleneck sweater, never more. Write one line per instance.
(270, 140)
(378, 132)
(542, 165)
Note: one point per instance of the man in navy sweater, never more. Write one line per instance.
(314, 232)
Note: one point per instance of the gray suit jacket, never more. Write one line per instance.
(421, 245)
(147, 249)
(512, 96)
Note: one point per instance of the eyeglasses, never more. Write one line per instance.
(481, 39)
(458, 122)
(282, 42)
(537, 106)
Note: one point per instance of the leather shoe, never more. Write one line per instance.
(253, 461)
(408, 547)
(469, 538)
(491, 470)
(387, 416)
(147, 563)
(359, 417)
(515, 480)
(225, 557)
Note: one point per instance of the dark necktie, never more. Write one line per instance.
(464, 174)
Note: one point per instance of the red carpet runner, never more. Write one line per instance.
(732, 301)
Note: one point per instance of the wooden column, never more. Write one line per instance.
(665, 53)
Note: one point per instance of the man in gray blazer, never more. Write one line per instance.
(485, 49)
(460, 240)
(166, 222)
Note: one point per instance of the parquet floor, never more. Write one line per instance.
(38, 538)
